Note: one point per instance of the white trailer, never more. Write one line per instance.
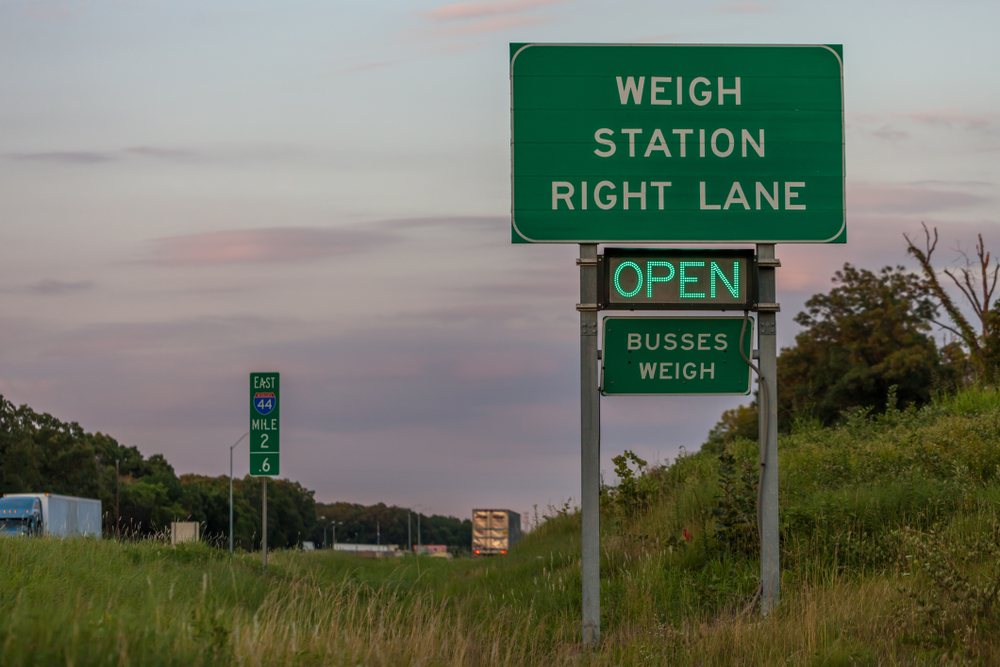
(65, 516)
(494, 531)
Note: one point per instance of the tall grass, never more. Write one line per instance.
(890, 529)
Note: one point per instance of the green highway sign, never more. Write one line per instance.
(645, 279)
(618, 143)
(675, 356)
(264, 424)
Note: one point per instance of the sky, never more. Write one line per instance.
(192, 191)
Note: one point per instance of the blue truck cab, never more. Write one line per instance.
(20, 516)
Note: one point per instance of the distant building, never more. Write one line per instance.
(184, 531)
(430, 549)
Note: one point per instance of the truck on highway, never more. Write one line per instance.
(494, 531)
(49, 514)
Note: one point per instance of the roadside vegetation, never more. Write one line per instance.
(890, 537)
(41, 454)
(890, 533)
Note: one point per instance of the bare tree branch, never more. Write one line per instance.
(962, 327)
(945, 326)
(968, 290)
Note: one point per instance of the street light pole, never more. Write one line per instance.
(118, 488)
(231, 489)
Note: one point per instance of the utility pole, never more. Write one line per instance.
(231, 490)
(118, 488)
(409, 532)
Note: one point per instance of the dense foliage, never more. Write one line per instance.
(360, 524)
(868, 334)
(863, 345)
(889, 534)
(39, 453)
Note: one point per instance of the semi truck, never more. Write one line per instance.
(494, 531)
(49, 514)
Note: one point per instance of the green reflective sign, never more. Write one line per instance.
(677, 143)
(264, 424)
(675, 356)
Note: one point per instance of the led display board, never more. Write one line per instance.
(658, 143)
(675, 356)
(645, 279)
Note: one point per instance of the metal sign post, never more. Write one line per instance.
(770, 573)
(263, 521)
(590, 445)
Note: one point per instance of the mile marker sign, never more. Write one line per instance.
(264, 424)
(651, 143)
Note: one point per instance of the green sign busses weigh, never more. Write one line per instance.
(264, 424)
(675, 356)
(677, 143)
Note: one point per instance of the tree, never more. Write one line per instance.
(361, 522)
(977, 284)
(39, 453)
(864, 337)
(739, 422)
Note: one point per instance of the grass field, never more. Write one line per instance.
(890, 556)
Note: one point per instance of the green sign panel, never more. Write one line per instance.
(644, 279)
(675, 356)
(677, 143)
(264, 424)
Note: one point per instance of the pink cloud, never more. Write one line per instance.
(954, 118)
(665, 37)
(493, 24)
(476, 10)
(385, 366)
(861, 117)
(873, 242)
(364, 67)
(744, 8)
(497, 365)
(906, 198)
(890, 134)
(269, 244)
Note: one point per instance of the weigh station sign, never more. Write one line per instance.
(264, 424)
(675, 355)
(638, 144)
(677, 143)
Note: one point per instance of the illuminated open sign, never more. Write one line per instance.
(648, 279)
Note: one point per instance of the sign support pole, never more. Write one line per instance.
(770, 572)
(590, 445)
(264, 524)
